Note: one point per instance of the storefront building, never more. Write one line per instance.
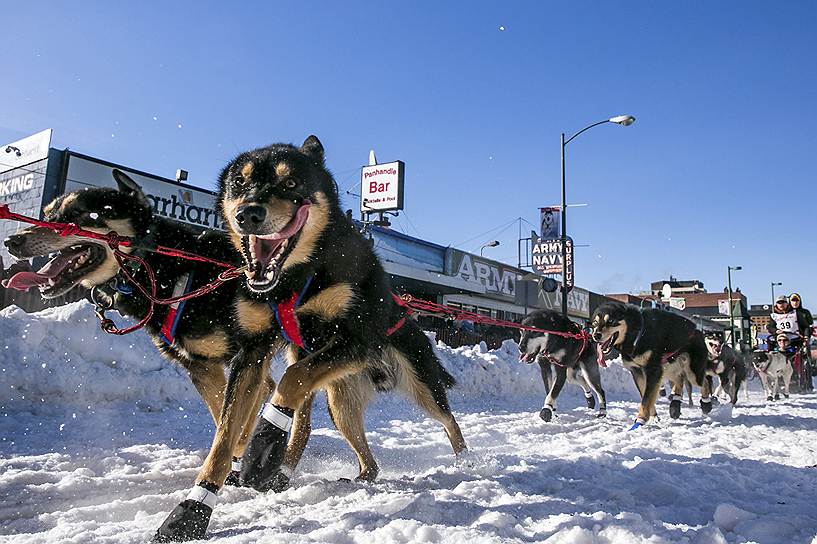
(424, 269)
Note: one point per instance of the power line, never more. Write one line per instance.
(417, 232)
(498, 234)
(512, 221)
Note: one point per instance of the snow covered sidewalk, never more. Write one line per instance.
(82, 468)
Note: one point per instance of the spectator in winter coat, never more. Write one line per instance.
(804, 318)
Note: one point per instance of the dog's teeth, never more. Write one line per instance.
(251, 244)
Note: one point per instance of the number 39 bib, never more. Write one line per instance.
(786, 322)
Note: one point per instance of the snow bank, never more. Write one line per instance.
(499, 373)
(61, 354)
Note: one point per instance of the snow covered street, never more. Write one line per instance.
(79, 467)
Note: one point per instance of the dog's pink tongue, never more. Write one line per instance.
(23, 281)
(600, 356)
(265, 249)
(293, 226)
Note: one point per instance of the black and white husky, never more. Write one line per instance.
(771, 367)
(568, 358)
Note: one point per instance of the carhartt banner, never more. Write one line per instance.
(170, 199)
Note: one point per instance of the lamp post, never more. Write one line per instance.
(731, 312)
(623, 120)
(489, 244)
(775, 284)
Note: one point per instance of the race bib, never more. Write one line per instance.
(786, 322)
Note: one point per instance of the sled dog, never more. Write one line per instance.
(569, 359)
(199, 334)
(654, 344)
(771, 366)
(727, 364)
(310, 271)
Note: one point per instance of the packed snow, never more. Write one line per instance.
(100, 438)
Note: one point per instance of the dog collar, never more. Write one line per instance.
(638, 336)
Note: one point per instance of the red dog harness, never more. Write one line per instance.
(291, 329)
(174, 311)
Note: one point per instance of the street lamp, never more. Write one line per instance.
(731, 312)
(775, 284)
(623, 120)
(489, 244)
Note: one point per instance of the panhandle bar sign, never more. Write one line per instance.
(381, 187)
(546, 257)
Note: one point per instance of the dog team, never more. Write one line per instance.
(315, 292)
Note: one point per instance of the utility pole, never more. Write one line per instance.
(731, 310)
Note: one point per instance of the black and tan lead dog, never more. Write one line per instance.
(654, 344)
(572, 359)
(201, 334)
(310, 270)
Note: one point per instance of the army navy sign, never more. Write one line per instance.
(546, 257)
(498, 279)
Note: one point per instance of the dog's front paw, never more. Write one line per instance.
(234, 477)
(546, 413)
(675, 408)
(189, 520)
(590, 400)
(706, 406)
(264, 456)
(639, 422)
(280, 480)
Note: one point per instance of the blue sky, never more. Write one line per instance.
(718, 169)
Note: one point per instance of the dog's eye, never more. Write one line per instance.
(290, 183)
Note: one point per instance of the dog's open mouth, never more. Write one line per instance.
(265, 253)
(604, 349)
(608, 344)
(65, 269)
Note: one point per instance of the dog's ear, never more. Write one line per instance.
(312, 147)
(128, 186)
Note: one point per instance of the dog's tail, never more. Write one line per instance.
(446, 379)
